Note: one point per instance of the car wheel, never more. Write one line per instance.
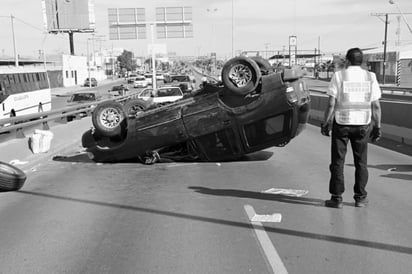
(133, 106)
(264, 65)
(11, 177)
(241, 75)
(109, 118)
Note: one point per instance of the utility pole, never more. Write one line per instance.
(386, 21)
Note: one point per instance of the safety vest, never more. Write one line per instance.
(353, 106)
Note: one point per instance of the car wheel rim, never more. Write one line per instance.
(240, 75)
(110, 117)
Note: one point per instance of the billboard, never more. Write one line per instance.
(131, 23)
(68, 15)
(127, 23)
(174, 22)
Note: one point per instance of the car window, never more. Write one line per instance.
(180, 78)
(169, 92)
(116, 88)
(83, 97)
(265, 130)
(219, 143)
(146, 93)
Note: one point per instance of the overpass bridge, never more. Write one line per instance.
(74, 215)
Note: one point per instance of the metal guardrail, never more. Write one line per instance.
(19, 123)
(397, 90)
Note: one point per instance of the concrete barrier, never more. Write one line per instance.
(396, 117)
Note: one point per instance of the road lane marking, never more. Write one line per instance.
(272, 255)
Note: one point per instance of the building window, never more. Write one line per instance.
(67, 74)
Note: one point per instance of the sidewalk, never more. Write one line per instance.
(67, 91)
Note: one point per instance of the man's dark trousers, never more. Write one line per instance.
(358, 137)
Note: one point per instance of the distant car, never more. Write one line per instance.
(131, 78)
(182, 81)
(140, 82)
(252, 109)
(92, 82)
(160, 76)
(163, 94)
(149, 78)
(118, 90)
(82, 97)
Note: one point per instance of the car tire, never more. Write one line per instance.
(132, 106)
(11, 177)
(109, 118)
(264, 65)
(241, 75)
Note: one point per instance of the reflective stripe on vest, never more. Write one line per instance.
(353, 106)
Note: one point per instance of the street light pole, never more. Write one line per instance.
(384, 47)
(233, 27)
(16, 57)
(88, 64)
(392, 2)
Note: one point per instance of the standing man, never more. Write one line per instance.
(352, 111)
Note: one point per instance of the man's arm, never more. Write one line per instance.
(376, 113)
(328, 117)
(325, 127)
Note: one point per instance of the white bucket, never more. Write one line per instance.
(40, 141)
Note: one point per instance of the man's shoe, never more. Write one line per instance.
(333, 203)
(361, 203)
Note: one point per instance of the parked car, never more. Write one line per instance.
(253, 108)
(182, 81)
(90, 82)
(140, 82)
(161, 95)
(118, 90)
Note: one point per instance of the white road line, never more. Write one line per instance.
(268, 248)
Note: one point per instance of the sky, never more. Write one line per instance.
(331, 25)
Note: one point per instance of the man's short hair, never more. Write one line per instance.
(355, 56)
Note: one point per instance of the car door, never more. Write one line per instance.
(161, 126)
(212, 128)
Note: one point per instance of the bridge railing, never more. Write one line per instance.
(19, 123)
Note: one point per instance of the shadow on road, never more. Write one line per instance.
(394, 170)
(259, 195)
(83, 158)
(246, 225)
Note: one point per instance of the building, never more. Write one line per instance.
(398, 65)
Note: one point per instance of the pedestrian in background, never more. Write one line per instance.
(353, 114)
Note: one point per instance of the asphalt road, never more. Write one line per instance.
(76, 216)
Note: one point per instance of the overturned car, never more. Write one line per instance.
(251, 109)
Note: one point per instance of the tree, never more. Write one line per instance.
(126, 61)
